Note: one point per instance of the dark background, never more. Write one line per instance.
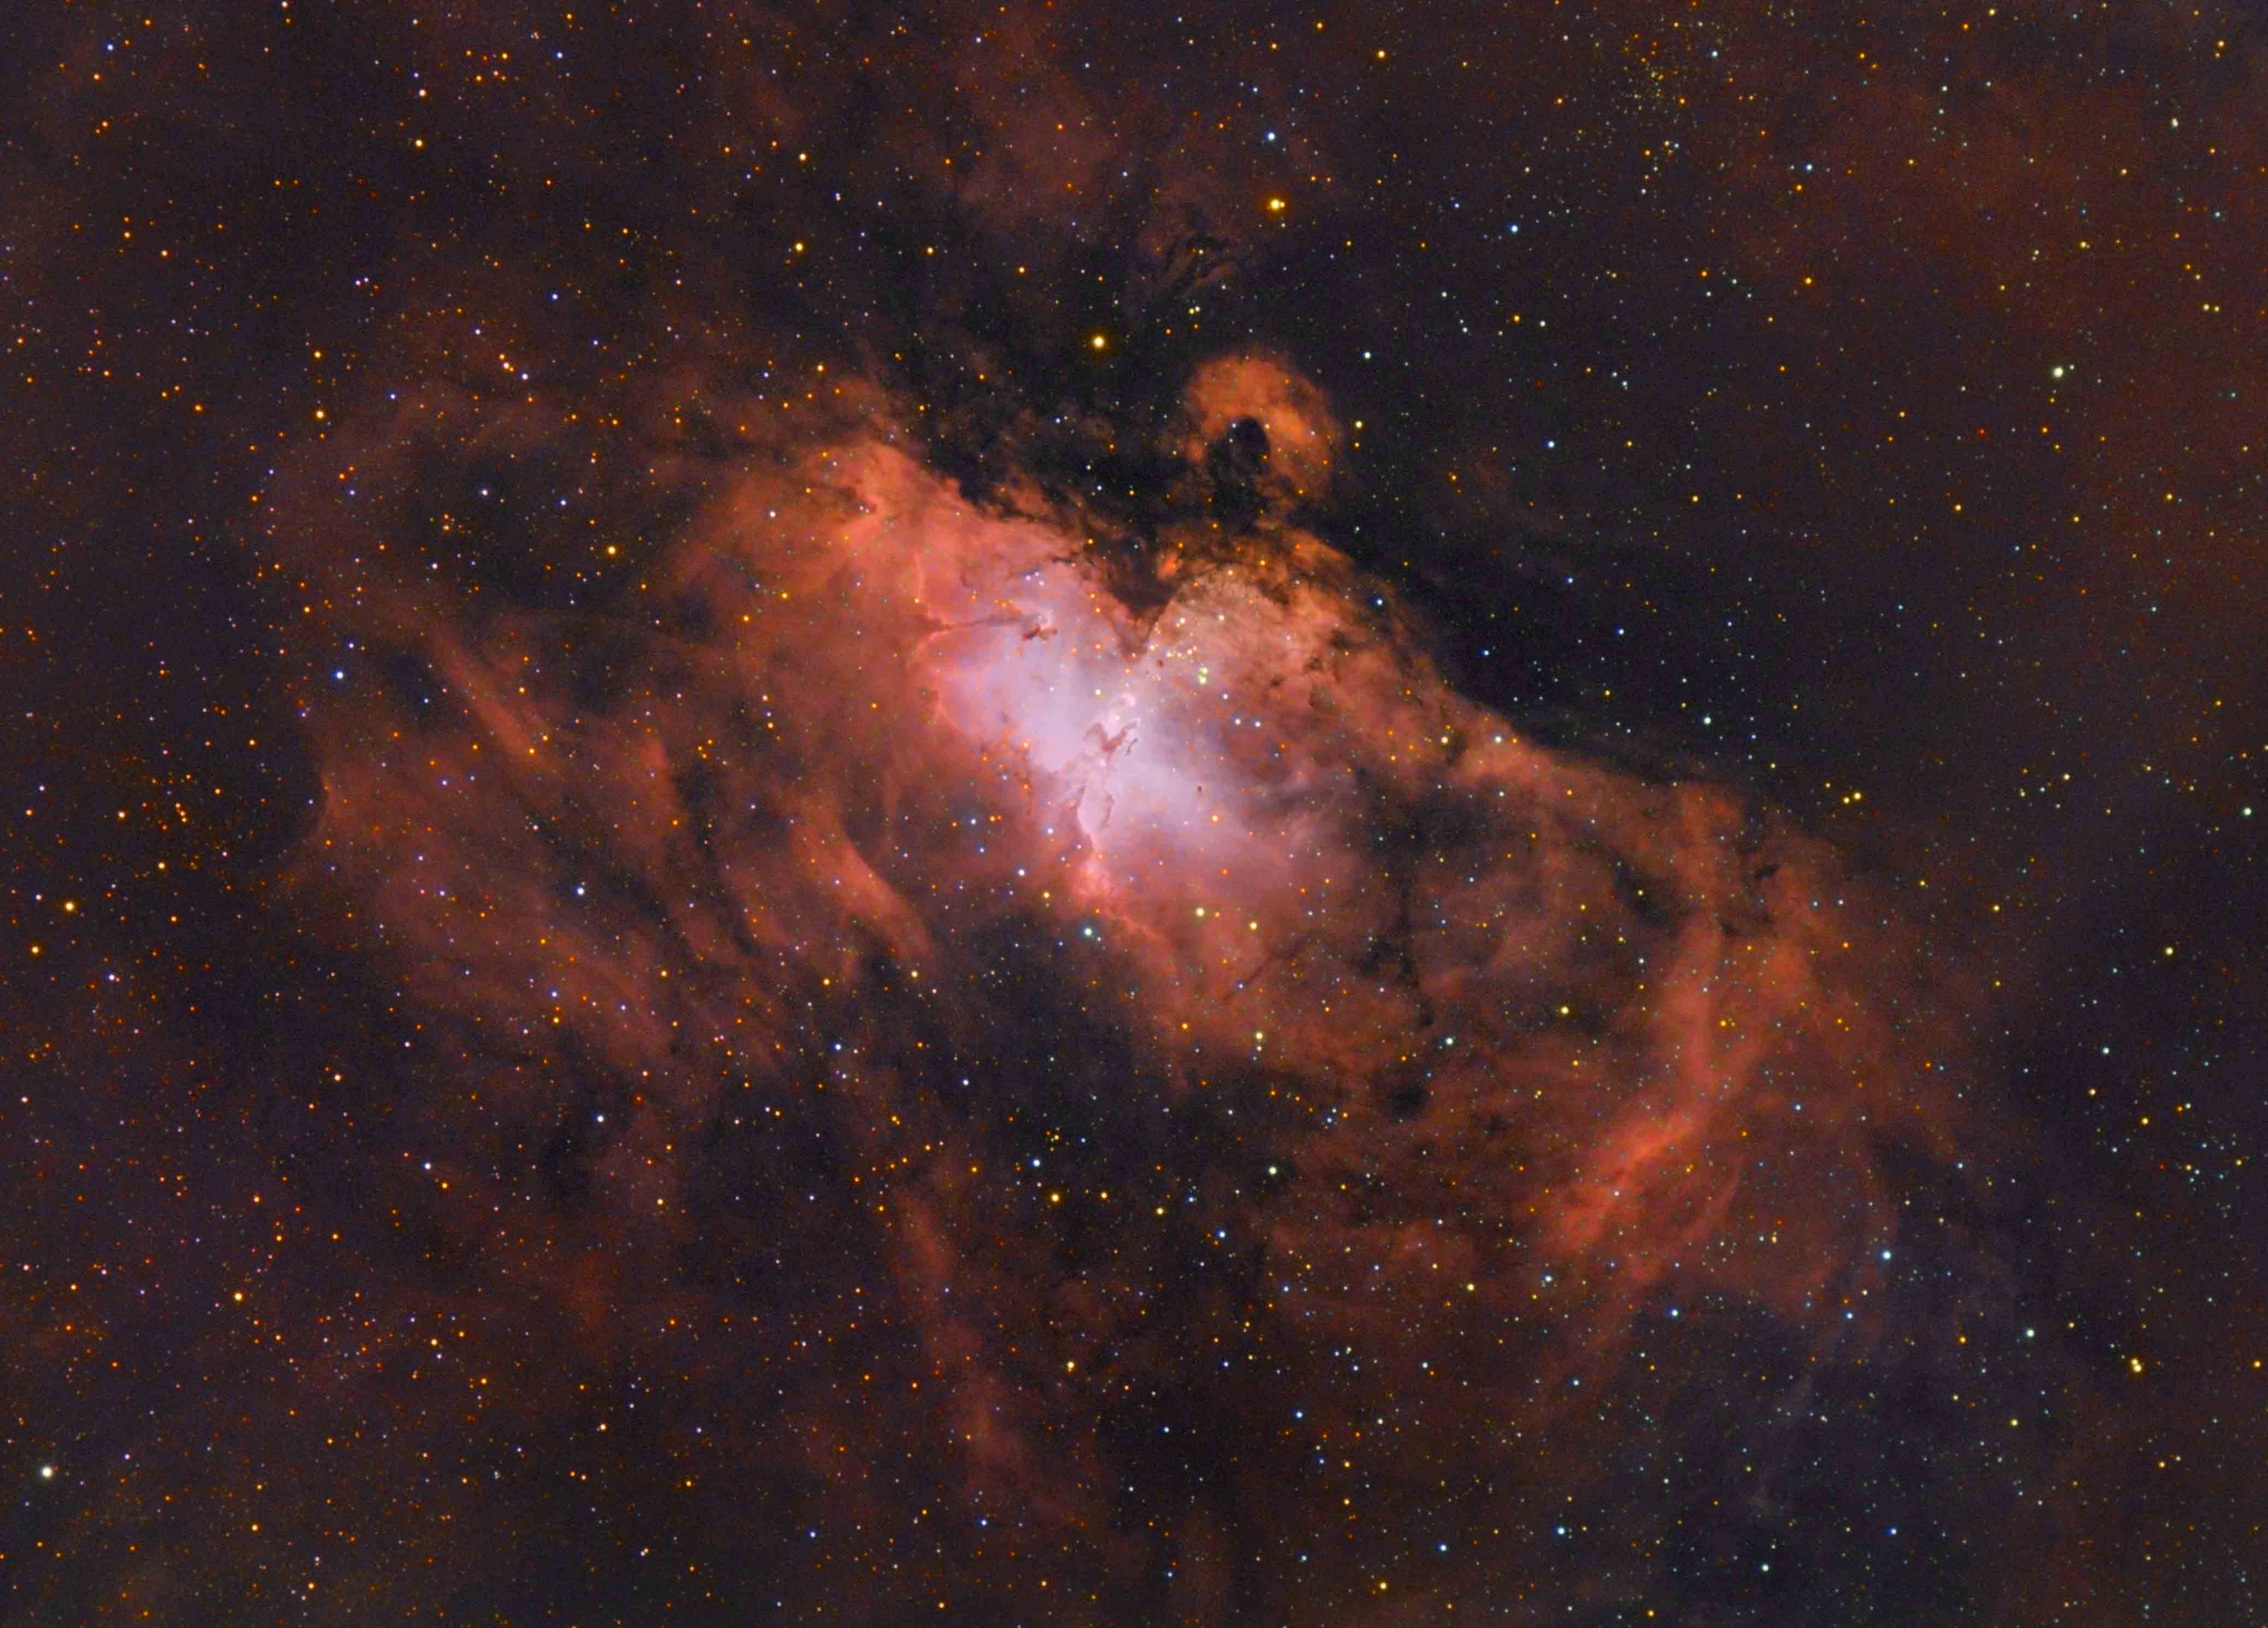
(1821, 402)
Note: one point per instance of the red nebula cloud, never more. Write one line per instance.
(1210, 922)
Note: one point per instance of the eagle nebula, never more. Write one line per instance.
(1023, 815)
(1116, 1066)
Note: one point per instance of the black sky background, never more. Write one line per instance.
(1857, 408)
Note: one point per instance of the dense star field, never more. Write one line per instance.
(1054, 813)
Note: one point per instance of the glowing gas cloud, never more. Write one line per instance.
(1172, 1011)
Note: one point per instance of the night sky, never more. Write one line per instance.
(1047, 813)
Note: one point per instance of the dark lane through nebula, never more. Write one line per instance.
(1042, 815)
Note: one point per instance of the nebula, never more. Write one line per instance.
(1110, 815)
(1203, 1021)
